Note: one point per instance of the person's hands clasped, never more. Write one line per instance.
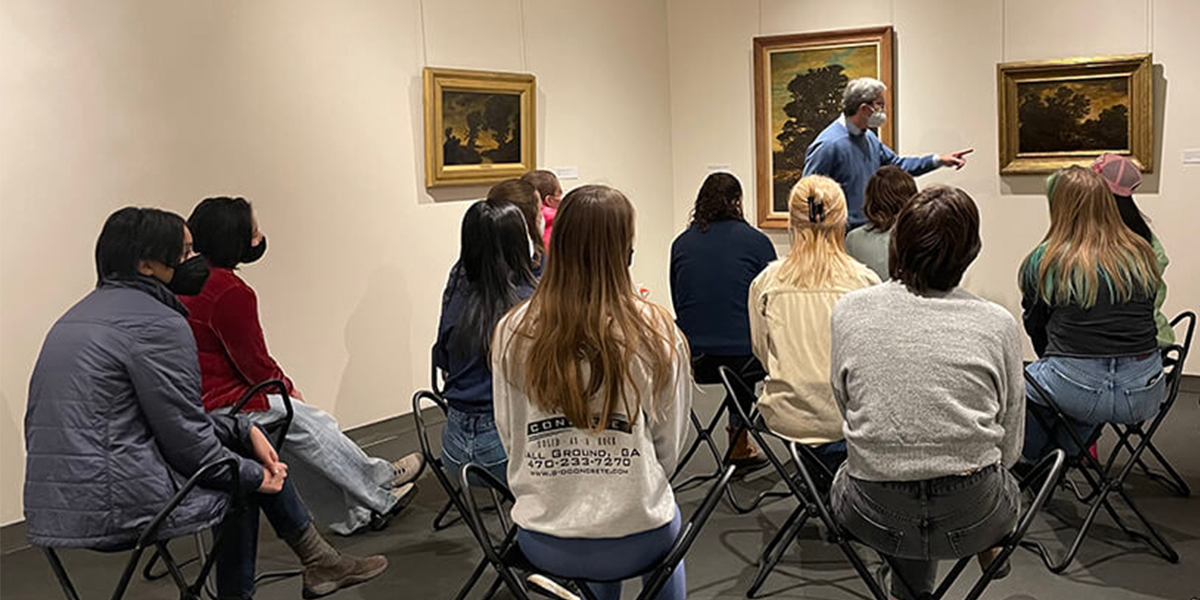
(955, 159)
(274, 471)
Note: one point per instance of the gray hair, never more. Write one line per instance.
(864, 90)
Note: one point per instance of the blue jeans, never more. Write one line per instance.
(607, 559)
(472, 437)
(1090, 392)
(235, 565)
(330, 467)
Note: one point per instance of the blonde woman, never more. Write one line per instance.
(1088, 297)
(592, 388)
(791, 302)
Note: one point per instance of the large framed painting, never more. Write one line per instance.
(798, 84)
(1056, 113)
(479, 126)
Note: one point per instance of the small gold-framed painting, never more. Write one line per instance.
(798, 84)
(1057, 113)
(479, 126)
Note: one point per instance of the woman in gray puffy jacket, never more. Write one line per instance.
(114, 423)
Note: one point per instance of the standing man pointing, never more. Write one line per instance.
(849, 152)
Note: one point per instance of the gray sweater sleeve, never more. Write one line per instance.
(1012, 416)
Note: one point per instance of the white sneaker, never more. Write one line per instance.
(406, 469)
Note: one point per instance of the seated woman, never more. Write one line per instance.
(1123, 176)
(1088, 297)
(928, 377)
(588, 370)
(712, 264)
(529, 200)
(114, 423)
(494, 272)
(888, 190)
(790, 305)
(234, 358)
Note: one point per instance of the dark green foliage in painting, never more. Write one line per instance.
(816, 102)
(1059, 122)
(498, 115)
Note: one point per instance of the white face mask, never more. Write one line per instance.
(877, 119)
(532, 248)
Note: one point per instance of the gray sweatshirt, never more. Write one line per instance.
(930, 385)
(572, 483)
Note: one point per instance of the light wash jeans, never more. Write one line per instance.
(1090, 392)
(472, 438)
(342, 484)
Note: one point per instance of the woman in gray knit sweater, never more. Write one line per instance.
(928, 378)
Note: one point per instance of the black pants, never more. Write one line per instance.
(704, 369)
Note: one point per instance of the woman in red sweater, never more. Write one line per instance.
(234, 357)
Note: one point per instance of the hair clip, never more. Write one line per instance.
(816, 209)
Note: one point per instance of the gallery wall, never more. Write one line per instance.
(312, 111)
(945, 99)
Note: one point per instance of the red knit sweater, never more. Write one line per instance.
(229, 338)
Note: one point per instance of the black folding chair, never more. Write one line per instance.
(149, 538)
(1048, 471)
(774, 551)
(506, 557)
(704, 434)
(1106, 479)
(1169, 477)
(278, 431)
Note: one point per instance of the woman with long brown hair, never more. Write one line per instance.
(791, 303)
(591, 391)
(1088, 298)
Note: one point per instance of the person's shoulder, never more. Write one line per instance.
(984, 310)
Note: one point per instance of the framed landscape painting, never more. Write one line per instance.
(1057, 113)
(798, 84)
(479, 126)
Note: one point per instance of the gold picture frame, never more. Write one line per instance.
(1057, 113)
(479, 126)
(807, 72)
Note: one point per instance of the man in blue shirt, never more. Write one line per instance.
(849, 152)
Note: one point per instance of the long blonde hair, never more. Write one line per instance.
(818, 256)
(1088, 242)
(585, 330)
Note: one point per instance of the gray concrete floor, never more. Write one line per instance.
(429, 564)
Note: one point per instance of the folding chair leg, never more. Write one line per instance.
(777, 548)
(127, 574)
(61, 574)
(703, 436)
(168, 561)
(473, 579)
(1172, 480)
(439, 524)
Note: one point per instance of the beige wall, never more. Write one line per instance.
(313, 111)
(946, 55)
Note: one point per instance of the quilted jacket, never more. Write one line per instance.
(114, 424)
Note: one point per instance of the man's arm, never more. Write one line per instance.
(166, 380)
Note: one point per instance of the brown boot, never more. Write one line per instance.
(745, 456)
(326, 570)
(987, 557)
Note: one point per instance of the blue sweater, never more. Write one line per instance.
(711, 273)
(851, 158)
(468, 378)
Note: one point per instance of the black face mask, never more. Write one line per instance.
(190, 276)
(253, 253)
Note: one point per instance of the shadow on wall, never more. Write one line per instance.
(378, 371)
(12, 448)
(1036, 184)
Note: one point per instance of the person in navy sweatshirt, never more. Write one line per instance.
(712, 265)
(848, 152)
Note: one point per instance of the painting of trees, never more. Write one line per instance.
(1073, 116)
(481, 128)
(816, 101)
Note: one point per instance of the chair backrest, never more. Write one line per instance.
(431, 458)
(736, 387)
(278, 428)
(475, 475)
(687, 536)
